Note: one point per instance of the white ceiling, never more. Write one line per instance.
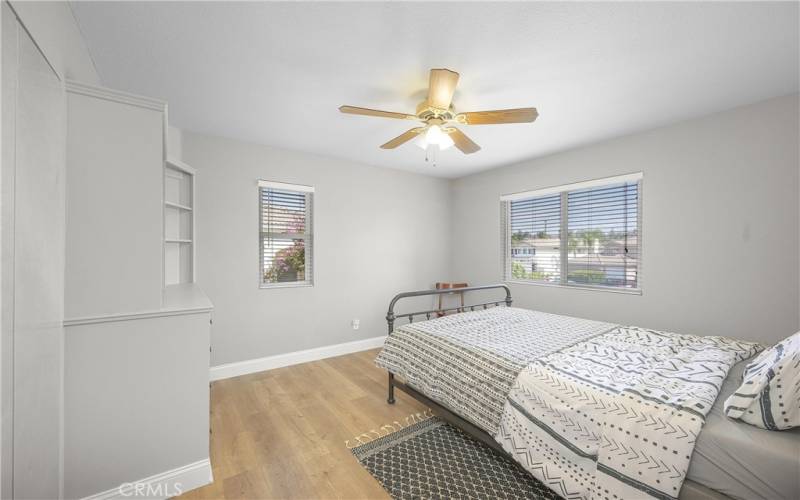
(275, 73)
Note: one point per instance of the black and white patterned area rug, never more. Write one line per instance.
(432, 459)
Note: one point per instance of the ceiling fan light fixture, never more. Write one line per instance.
(435, 136)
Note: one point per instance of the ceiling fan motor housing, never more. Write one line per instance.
(425, 112)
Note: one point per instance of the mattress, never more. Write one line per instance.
(744, 461)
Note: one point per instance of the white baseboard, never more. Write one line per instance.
(160, 486)
(238, 368)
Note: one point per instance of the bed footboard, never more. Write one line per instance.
(440, 410)
(444, 413)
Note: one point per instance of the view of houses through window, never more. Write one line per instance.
(535, 238)
(594, 230)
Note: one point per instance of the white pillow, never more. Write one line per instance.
(769, 396)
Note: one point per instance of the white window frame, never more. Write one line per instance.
(309, 235)
(563, 190)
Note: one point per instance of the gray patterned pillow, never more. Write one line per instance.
(769, 396)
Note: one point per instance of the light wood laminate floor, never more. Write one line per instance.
(281, 433)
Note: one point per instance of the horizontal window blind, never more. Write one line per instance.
(286, 234)
(585, 234)
(535, 244)
(603, 235)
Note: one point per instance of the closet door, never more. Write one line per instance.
(9, 100)
(34, 204)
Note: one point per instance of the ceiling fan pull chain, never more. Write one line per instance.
(431, 153)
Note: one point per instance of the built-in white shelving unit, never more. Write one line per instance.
(179, 244)
(129, 300)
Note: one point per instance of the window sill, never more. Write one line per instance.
(624, 291)
(292, 284)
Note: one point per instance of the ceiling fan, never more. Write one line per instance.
(437, 115)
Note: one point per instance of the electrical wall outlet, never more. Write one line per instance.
(356, 323)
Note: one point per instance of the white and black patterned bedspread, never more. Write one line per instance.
(617, 416)
(468, 361)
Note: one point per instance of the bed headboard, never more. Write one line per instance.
(391, 316)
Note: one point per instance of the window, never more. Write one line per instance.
(586, 234)
(286, 234)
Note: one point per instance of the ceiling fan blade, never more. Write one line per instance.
(353, 110)
(441, 87)
(403, 138)
(463, 142)
(520, 115)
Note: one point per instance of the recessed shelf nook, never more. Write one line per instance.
(179, 254)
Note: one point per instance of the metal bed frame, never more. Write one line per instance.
(690, 491)
(441, 411)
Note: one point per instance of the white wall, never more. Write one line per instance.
(377, 232)
(55, 30)
(174, 143)
(720, 224)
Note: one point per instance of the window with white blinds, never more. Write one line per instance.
(286, 234)
(586, 234)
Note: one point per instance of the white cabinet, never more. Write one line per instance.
(136, 403)
(115, 167)
(179, 253)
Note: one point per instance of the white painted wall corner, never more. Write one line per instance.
(238, 368)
